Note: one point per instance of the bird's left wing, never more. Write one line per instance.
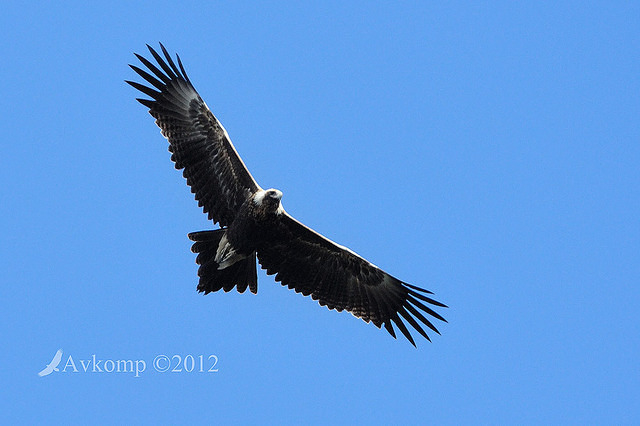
(340, 279)
(197, 140)
(56, 358)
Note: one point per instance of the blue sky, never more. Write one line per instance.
(488, 152)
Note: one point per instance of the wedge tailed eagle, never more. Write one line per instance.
(253, 223)
(53, 365)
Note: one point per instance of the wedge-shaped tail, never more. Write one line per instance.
(241, 274)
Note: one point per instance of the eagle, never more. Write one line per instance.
(53, 365)
(255, 226)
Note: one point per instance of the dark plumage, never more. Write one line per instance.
(254, 223)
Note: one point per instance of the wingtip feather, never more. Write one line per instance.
(403, 329)
(413, 323)
(425, 308)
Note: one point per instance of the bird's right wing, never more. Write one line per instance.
(213, 169)
(340, 279)
(47, 370)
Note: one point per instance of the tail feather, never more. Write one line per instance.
(241, 274)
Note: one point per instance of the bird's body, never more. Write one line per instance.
(254, 225)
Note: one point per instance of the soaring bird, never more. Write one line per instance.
(53, 365)
(253, 223)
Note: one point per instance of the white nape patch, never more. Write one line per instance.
(259, 197)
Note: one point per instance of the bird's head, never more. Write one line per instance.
(269, 200)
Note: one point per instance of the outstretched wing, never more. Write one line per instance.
(199, 144)
(340, 279)
(47, 370)
(56, 358)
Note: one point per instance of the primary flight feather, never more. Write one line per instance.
(255, 225)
